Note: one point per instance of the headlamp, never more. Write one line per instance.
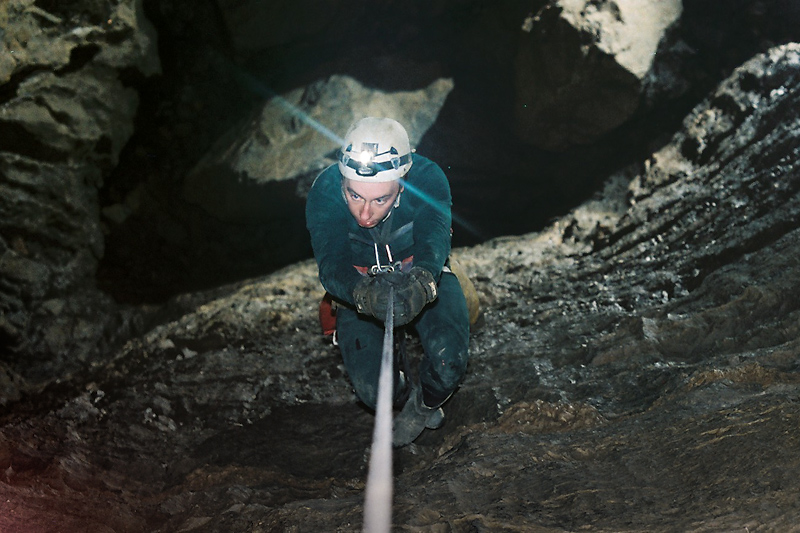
(365, 157)
(364, 163)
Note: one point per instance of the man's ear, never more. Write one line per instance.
(397, 200)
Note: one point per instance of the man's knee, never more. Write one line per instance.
(366, 390)
(447, 359)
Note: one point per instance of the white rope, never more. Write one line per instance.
(378, 499)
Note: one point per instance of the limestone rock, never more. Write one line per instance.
(65, 114)
(582, 66)
(73, 33)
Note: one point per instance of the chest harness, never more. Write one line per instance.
(381, 240)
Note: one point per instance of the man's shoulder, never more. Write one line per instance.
(326, 185)
(329, 177)
(424, 169)
(427, 176)
(423, 163)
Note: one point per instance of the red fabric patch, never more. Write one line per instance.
(327, 315)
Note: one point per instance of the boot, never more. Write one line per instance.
(414, 418)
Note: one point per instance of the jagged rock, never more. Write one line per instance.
(582, 67)
(67, 35)
(65, 114)
(296, 136)
(637, 370)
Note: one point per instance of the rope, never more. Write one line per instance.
(378, 499)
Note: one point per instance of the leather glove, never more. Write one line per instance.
(413, 291)
(371, 295)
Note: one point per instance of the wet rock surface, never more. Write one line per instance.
(637, 370)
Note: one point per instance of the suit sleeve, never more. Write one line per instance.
(327, 220)
(433, 219)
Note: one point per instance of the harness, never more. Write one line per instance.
(380, 242)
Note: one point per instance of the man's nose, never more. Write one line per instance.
(365, 213)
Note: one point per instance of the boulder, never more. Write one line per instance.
(582, 67)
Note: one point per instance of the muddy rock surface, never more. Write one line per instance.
(636, 370)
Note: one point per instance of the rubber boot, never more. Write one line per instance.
(414, 418)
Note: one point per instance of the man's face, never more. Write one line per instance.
(369, 203)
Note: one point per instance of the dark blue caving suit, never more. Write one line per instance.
(417, 231)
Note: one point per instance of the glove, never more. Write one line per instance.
(371, 296)
(413, 291)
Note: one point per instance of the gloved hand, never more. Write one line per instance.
(371, 296)
(412, 292)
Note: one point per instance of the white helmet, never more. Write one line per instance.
(375, 150)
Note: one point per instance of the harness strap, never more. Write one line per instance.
(381, 239)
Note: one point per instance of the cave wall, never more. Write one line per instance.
(67, 109)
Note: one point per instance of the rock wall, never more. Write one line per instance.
(66, 111)
(583, 66)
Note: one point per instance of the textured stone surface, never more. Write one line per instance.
(583, 66)
(65, 114)
(637, 371)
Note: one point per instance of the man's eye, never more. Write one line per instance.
(380, 201)
(354, 196)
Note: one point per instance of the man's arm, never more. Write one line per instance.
(432, 221)
(327, 220)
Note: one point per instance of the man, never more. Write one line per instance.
(381, 218)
